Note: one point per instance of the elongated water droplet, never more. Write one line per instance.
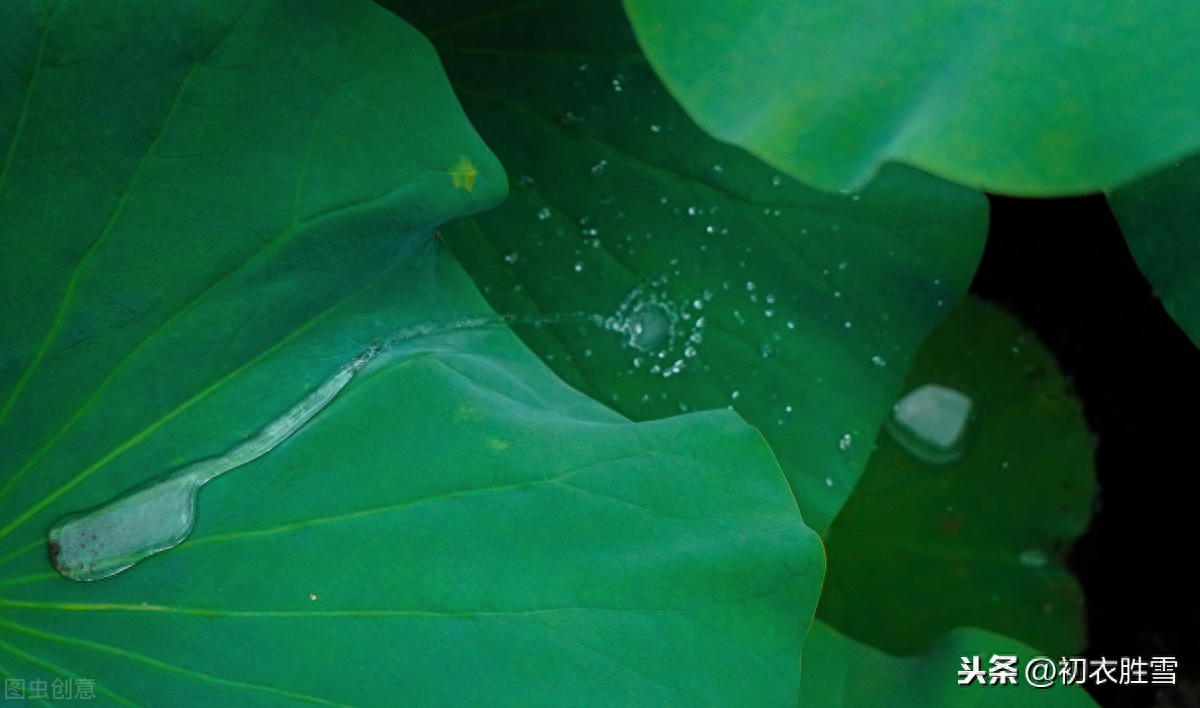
(160, 514)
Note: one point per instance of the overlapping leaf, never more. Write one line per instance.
(1160, 220)
(204, 213)
(973, 534)
(1019, 98)
(730, 284)
(839, 671)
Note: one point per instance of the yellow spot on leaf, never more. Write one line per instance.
(463, 173)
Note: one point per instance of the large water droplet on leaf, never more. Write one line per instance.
(931, 422)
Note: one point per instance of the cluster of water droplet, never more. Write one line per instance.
(665, 334)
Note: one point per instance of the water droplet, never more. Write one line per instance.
(648, 323)
(512, 257)
(837, 293)
(655, 128)
(734, 395)
(159, 514)
(766, 350)
(931, 422)
(829, 481)
(750, 285)
(769, 312)
(842, 265)
(569, 118)
(617, 82)
(525, 181)
(849, 324)
(598, 168)
(791, 325)
(878, 360)
(776, 180)
(718, 169)
(578, 266)
(583, 67)
(845, 442)
(1033, 558)
(543, 213)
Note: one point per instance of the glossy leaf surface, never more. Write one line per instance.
(729, 284)
(204, 213)
(1032, 99)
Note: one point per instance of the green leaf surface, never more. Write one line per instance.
(1160, 218)
(800, 309)
(457, 527)
(204, 213)
(1031, 99)
(838, 671)
(926, 543)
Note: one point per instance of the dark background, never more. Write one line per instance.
(1063, 267)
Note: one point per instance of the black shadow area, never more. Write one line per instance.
(1063, 267)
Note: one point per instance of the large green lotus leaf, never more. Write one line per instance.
(1160, 218)
(207, 212)
(838, 671)
(1020, 98)
(237, 164)
(730, 284)
(457, 526)
(970, 502)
